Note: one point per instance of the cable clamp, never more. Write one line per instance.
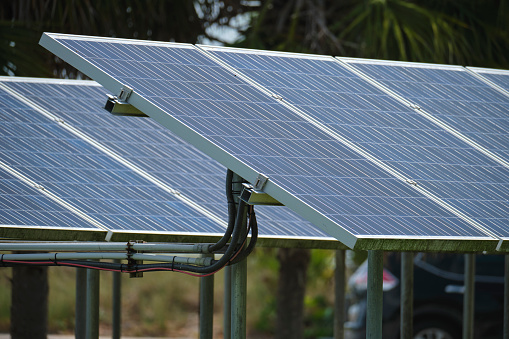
(415, 106)
(131, 263)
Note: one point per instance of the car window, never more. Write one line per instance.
(453, 265)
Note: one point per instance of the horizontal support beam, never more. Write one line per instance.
(104, 246)
(202, 261)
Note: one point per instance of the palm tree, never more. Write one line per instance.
(464, 32)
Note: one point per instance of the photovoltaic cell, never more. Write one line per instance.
(497, 76)
(308, 169)
(153, 149)
(24, 206)
(405, 140)
(88, 179)
(451, 94)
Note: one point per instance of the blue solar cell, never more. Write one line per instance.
(453, 95)
(299, 158)
(393, 133)
(153, 149)
(405, 140)
(89, 179)
(497, 76)
(25, 206)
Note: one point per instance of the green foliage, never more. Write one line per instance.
(319, 317)
(457, 32)
(22, 23)
(5, 299)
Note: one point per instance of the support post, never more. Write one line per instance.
(227, 308)
(239, 278)
(468, 297)
(407, 295)
(238, 307)
(506, 298)
(339, 295)
(375, 295)
(81, 303)
(92, 313)
(116, 305)
(206, 306)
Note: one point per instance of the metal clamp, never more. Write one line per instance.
(130, 261)
(260, 181)
(411, 182)
(125, 93)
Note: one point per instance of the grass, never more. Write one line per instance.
(166, 303)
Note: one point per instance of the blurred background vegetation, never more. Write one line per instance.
(464, 32)
(165, 304)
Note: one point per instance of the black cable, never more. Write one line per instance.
(253, 225)
(232, 213)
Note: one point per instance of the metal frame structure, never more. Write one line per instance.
(489, 243)
(270, 193)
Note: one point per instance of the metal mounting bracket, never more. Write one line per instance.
(118, 107)
(252, 196)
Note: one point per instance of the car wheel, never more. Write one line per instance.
(434, 330)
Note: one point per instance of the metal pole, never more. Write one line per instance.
(407, 295)
(81, 299)
(227, 308)
(506, 298)
(238, 308)
(116, 304)
(339, 299)
(116, 246)
(375, 295)
(206, 306)
(92, 311)
(468, 297)
(239, 280)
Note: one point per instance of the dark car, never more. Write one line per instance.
(438, 297)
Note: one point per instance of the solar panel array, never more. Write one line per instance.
(498, 77)
(340, 149)
(71, 168)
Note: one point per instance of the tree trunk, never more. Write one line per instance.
(29, 308)
(290, 294)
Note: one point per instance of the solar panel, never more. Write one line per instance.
(393, 133)
(155, 151)
(23, 206)
(453, 98)
(312, 171)
(499, 77)
(452, 95)
(89, 180)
